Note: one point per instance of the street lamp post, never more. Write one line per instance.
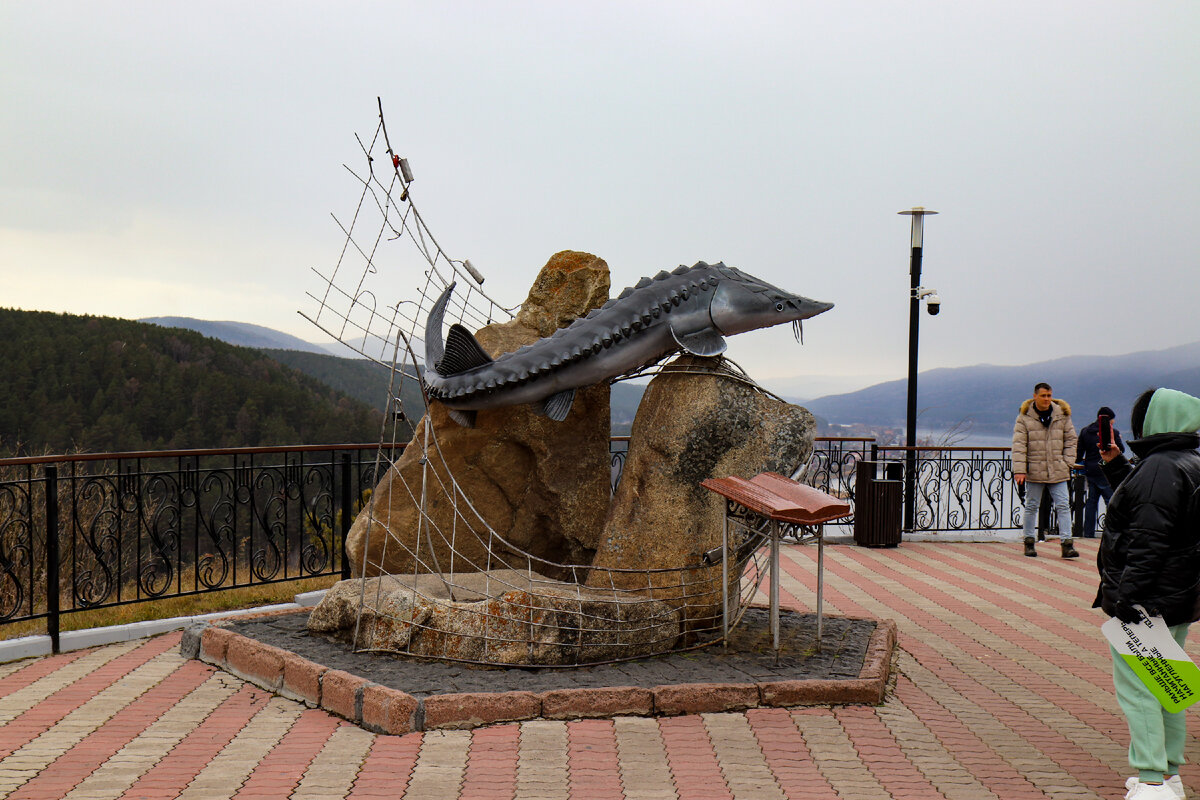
(916, 294)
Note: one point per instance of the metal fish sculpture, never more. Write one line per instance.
(690, 309)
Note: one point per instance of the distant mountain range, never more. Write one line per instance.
(981, 399)
(245, 334)
(985, 398)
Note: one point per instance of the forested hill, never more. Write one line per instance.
(100, 384)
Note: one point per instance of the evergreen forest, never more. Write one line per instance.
(98, 384)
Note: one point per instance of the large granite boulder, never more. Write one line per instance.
(539, 484)
(690, 427)
(497, 617)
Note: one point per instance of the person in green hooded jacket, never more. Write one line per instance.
(1150, 557)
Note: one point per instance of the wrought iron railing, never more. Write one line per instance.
(98, 530)
(114, 528)
(962, 488)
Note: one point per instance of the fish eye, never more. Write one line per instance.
(779, 306)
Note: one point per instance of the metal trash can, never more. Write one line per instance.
(878, 503)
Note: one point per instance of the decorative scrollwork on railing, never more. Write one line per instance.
(215, 515)
(316, 503)
(97, 515)
(616, 467)
(16, 549)
(268, 504)
(992, 479)
(961, 480)
(929, 494)
(159, 513)
(833, 465)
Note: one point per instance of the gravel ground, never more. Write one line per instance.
(749, 658)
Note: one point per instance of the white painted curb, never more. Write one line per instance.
(32, 646)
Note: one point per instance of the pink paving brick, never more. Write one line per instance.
(787, 755)
(33, 723)
(190, 756)
(83, 759)
(881, 753)
(388, 765)
(694, 766)
(280, 772)
(35, 670)
(594, 770)
(492, 763)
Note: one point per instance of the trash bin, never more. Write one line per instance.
(877, 503)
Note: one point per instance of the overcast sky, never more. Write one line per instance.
(168, 158)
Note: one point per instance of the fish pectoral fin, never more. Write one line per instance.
(463, 418)
(556, 406)
(704, 342)
(462, 352)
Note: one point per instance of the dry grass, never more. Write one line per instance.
(227, 600)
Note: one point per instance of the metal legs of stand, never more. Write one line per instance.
(774, 573)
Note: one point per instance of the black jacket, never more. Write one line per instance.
(1150, 551)
(1087, 450)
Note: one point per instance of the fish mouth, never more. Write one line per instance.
(808, 309)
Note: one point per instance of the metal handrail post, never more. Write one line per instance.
(52, 556)
(346, 512)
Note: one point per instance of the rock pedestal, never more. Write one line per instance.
(497, 617)
(539, 484)
(690, 427)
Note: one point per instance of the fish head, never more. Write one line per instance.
(743, 303)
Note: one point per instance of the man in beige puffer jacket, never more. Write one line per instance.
(1043, 450)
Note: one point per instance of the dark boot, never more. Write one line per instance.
(1068, 548)
(1030, 550)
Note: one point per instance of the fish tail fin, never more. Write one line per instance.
(435, 348)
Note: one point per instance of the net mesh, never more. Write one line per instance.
(484, 599)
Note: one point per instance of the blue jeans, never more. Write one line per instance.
(1033, 501)
(1096, 488)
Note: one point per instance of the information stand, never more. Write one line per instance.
(786, 509)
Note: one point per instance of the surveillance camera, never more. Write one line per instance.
(934, 304)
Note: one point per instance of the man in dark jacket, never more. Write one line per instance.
(1087, 453)
(1150, 556)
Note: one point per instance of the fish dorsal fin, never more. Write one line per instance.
(556, 406)
(704, 342)
(462, 352)
(463, 418)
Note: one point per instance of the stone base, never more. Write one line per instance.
(506, 617)
(447, 696)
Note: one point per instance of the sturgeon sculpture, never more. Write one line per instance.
(690, 309)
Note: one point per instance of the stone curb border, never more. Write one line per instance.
(381, 709)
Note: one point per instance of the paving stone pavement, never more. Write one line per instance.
(1003, 689)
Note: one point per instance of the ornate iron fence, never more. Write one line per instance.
(99, 530)
(963, 488)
